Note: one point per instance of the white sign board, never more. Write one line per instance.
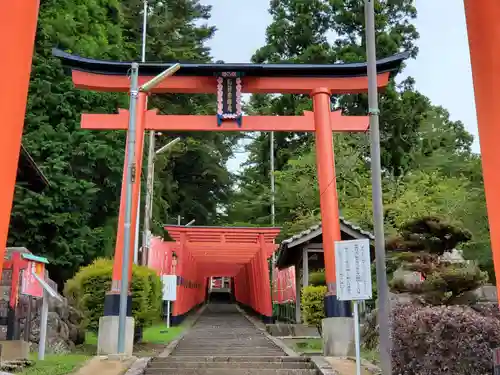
(353, 270)
(169, 287)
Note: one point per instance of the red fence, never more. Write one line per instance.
(191, 288)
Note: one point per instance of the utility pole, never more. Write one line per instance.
(273, 190)
(378, 209)
(148, 204)
(135, 91)
(273, 211)
(130, 157)
(143, 59)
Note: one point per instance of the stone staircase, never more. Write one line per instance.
(224, 342)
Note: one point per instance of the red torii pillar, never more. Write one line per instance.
(483, 28)
(17, 36)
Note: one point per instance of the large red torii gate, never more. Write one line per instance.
(229, 81)
(19, 18)
(240, 253)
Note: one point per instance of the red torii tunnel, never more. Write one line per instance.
(239, 253)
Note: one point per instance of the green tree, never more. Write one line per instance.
(74, 221)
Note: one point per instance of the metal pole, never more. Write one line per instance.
(273, 190)
(168, 314)
(151, 151)
(43, 326)
(273, 212)
(136, 238)
(357, 338)
(179, 220)
(378, 213)
(144, 30)
(131, 140)
(149, 197)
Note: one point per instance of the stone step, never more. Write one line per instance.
(232, 359)
(252, 365)
(230, 371)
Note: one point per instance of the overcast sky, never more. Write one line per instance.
(442, 68)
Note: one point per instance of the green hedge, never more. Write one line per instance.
(86, 291)
(312, 300)
(317, 278)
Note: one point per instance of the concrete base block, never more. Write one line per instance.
(285, 329)
(14, 349)
(338, 337)
(107, 341)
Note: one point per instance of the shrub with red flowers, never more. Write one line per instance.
(439, 340)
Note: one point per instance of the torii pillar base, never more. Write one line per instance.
(107, 340)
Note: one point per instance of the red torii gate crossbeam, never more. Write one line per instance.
(240, 253)
(229, 81)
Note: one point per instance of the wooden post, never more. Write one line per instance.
(305, 268)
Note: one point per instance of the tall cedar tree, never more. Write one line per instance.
(321, 31)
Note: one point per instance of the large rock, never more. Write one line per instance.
(64, 327)
(453, 256)
(407, 281)
(483, 294)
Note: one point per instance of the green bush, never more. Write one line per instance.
(313, 310)
(86, 291)
(317, 278)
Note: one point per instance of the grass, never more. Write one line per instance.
(56, 365)
(160, 334)
(307, 345)
(316, 345)
(154, 340)
(371, 355)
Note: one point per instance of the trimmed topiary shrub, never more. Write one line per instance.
(317, 278)
(86, 291)
(313, 310)
(443, 340)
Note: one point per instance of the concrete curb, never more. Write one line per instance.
(139, 366)
(191, 322)
(322, 366)
(262, 327)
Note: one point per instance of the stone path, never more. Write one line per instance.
(224, 342)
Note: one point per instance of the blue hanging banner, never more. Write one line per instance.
(229, 98)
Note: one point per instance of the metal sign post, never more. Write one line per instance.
(169, 292)
(354, 280)
(47, 292)
(496, 361)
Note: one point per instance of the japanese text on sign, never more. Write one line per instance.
(169, 287)
(353, 270)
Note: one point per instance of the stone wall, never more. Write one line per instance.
(64, 323)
